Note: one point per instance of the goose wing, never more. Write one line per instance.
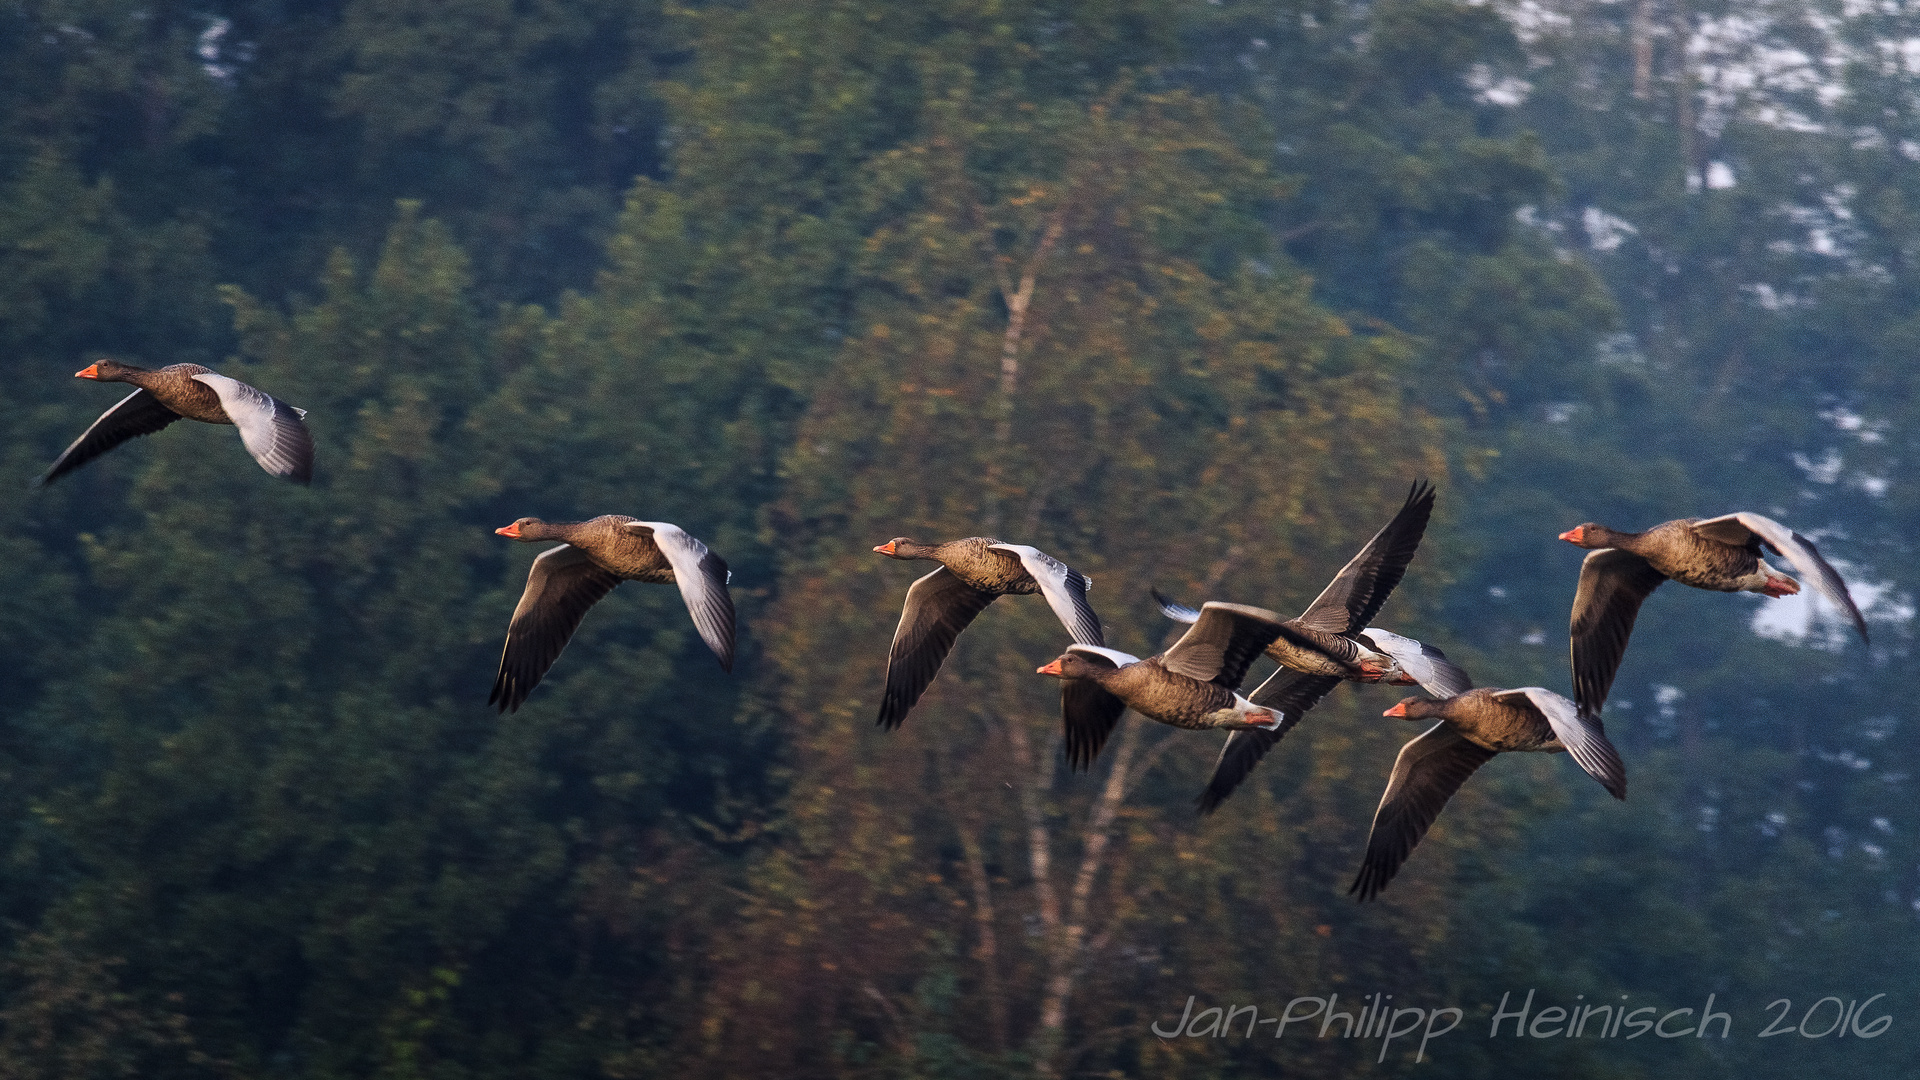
(272, 430)
(702, 577)
(1221, 644)
(1175, 611)
(137, 414)
(561, 586)
(1742, 528)
(1356, 593)
(1288, 693)
(1428, 771)
(938, 607)
(1427, 665)
(1088, 713)
(1065, 589)
(1579, 732)
(1613, 583)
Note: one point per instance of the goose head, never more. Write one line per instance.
(903, 547)
(526, 528)
(1415, 708)
(1074, 666)
(105, 370)
(1590, 535)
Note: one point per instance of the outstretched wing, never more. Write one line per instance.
(1580, 733)
(1429, 666)
(561, 586)
(702, 577)
(272, 430)
(1613, 583)
(938, 607)
(1425, 775)
(1088, 713)
(1221, 645)
(1242, 751)
(1741, 527)
(1356, 593)
(1289, 694)
(137, 414)
(1065, 589)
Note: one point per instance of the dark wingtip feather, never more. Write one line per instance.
(1365, 886)
(502, 696)
(1178, 612)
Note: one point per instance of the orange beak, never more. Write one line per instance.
(886, 548)
(510, 531)
(1050, 669)
(1399, 710)
(1572, 536)
(91, 371)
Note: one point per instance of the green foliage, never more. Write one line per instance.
(1183, 294)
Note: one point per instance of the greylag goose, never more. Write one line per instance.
(1330, 642)
(1722, 554)
(972, 573)
(1473, 727)
(1191, 685)
(270, 429)
(595, 556)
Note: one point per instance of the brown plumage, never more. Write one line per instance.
(1722, 554)
(1474, 728)
(1191, 685)
(595, 556)
(271, 430)
(973, 573)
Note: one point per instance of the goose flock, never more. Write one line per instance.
(1193, 684)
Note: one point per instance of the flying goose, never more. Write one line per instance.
(972, 573)
(1330, 642)
(271, 429)
(595, 556)
(1722, 554)
(1191, 685)
(1473, 728)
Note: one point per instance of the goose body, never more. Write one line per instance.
(973, 572)
(1474, 728)
(1194, 684)
(273, 432)
(1723, 554)
(592, 558)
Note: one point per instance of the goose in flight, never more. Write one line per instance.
(1722, 554)
(271, 430)
(1474, 728)
(972, 573)
(591, 559)
(1193, 684)
(1331, 642)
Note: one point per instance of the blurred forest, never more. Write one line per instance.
(1184, 292)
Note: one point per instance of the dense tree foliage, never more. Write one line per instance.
(1184, 293)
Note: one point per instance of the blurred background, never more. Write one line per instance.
(1185, 293)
